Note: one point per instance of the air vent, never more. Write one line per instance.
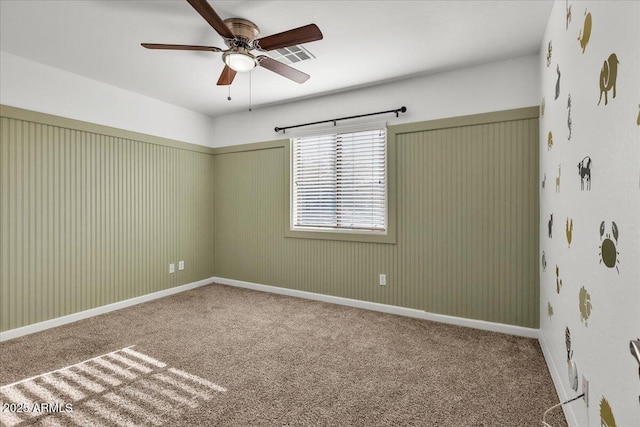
(292, 54)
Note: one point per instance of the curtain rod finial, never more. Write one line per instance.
(402, 109)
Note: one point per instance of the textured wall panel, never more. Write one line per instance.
(467, 202)
(89, 219)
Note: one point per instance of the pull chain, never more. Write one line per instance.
(250, 73)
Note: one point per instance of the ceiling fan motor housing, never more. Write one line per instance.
(244, 30)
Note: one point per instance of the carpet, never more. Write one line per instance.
(219, 355)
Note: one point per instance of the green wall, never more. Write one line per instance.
(91, 215)
(467, 223)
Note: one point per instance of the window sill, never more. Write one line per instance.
(388, 237)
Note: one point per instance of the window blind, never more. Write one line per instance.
(339, 181)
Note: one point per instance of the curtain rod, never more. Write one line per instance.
(396, 111)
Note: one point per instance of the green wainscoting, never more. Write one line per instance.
(467, 223)
(91, 215)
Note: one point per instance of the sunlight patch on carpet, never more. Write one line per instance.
(124, 388)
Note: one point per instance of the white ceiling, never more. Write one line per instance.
(365, 43)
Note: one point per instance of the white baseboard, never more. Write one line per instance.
(63, 320)
(384, 308)
(557, 382)
(402, 311)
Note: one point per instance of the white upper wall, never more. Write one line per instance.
(491, 87)
(38, 87)
(485, 88)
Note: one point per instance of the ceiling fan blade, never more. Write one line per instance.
(282, 69)
(210, 15)
(306, 34)
(226, 77)
(180, 47)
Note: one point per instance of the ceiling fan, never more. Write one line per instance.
(240, 36)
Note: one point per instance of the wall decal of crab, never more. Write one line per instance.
(558, 279)
(568, 229)
(608, 250)
(585, 305)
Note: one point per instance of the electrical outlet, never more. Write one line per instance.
(172, 268)
(383, 280)
(585, 390)
(180, 265)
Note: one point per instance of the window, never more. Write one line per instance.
(339, 182)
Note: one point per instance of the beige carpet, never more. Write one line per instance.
(224, 356)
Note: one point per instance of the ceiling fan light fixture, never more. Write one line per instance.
(239, 61)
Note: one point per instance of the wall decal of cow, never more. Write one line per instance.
(584, 170)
